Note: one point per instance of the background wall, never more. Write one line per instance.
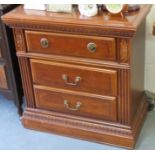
(150, 52)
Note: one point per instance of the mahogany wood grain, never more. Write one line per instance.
(76, 24)
(124, 46)
(27, 81)
(63, 44)
(90, 106)
(111, 79)
(93, 80)
(20, 40)
(124, 103)
(100, 132)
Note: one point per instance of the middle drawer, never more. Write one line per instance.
(74, 77)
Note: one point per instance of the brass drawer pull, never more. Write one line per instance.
(77, 106)
(91, 47)
(44, 42)
(66, 79)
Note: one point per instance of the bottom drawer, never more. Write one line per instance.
(3, 79)
(76, 103)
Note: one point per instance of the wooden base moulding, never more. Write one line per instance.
(88, 129)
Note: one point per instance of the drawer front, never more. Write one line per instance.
(73, 77)
(71, 45)
(3, 79)
(71, 103)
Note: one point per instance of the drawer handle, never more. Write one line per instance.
(44, 42)
(77, 106)
(66, 79)
(91, 47)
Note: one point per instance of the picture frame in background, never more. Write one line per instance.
(29, 6)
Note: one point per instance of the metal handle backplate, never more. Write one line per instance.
(77, 106)
(44, 42)
(91, 47)
(66, 79)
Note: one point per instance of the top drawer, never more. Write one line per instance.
(71, 45)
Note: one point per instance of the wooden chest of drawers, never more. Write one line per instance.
(82, 77)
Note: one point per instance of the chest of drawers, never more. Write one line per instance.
(82, 77)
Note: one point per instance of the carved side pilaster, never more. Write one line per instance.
(27, 81)
(19, 40)
(124, 97)
(124, 50)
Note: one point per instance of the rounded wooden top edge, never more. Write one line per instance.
(126, 29)
(19, 23)
(19, 14)
(72, 29)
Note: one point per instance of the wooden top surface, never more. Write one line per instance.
(130, 22)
